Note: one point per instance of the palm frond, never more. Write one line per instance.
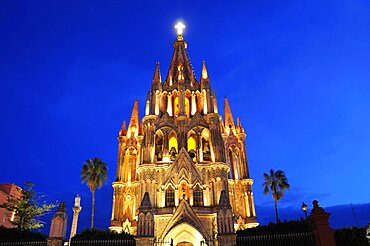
(94, 173)
(275, 183)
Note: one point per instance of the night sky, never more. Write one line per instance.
(295, 72)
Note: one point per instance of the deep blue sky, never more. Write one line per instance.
(295, 72)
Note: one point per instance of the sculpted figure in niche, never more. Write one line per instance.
(159, 147)
(206, 151)
(173, 153)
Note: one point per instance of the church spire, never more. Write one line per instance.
(229, 119)
(157, 80)
(133, 127)
(181, 73)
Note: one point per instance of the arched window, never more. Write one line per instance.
(236, 157)
(192, 146)
(141, 226)
(231, 165)
(173, 146)
(187, 106)
(176, 106)
(170, 197)
(132, 165)
(148, 224)
(198, 196)
(233, 159)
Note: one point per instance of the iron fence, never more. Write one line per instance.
(288, 239)
(24, 243)
(157, 242)
(104, 242)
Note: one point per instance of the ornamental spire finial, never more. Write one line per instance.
(180, 28)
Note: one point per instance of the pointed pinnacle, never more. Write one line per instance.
(229, 119)
(204, 71)
(148, 96)
(239, 124)
(124, 125)
(134, 120)
(123, 130)
(157, 79)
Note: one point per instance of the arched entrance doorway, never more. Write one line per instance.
(184, 234)
(184, 244)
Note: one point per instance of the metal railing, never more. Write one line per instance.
(20, 243)
(104, 242)
(287, 239)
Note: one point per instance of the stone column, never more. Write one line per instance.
(324, 236)
(205, 109)
(193, 104)
(169, 104)
(76, 211)
(156, 109)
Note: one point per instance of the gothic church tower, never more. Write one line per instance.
(182, 170)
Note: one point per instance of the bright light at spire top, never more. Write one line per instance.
(180, 27)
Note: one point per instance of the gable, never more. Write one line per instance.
(197, 120)
(166, 120)
(185, 214)
(183, 168)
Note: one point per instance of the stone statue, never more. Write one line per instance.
(77, 201)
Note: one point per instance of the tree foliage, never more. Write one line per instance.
(15, 235)
(351, 236)
(94, 173)
(285, 227)
(27, 208)
(276, 183)
(101, 234)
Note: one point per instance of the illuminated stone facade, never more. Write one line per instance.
(6, 191)
(182, 170)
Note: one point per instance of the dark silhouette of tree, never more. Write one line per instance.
(26, 208)
(276, 183)
(94, 173)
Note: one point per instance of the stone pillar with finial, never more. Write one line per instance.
(58, 228)
(324, 235)
(76, 211)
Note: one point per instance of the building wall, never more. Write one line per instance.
(7, 190)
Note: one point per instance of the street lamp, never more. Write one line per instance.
(304, 209)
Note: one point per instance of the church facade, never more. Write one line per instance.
(182, 172)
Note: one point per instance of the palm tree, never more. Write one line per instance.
(94, 173)
(276, 183)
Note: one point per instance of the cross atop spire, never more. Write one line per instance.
(180, 28)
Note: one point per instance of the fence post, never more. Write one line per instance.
(324, 236)
(58, 227)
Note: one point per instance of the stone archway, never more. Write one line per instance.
(185, 234)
